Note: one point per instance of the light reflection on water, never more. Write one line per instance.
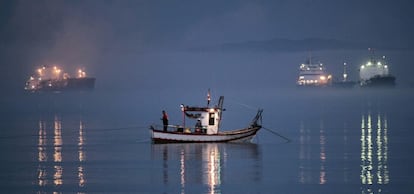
(52, 173)
(373, 163)
(305, 155)
(322, 142)
(374, 152)
(327, 149)
(57, 156)
(82, 156)
(212, 171)
(42, 155)
(199, 164)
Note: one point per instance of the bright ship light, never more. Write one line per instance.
(81, 74)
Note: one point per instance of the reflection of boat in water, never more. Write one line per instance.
(50, 158)
(374, 152)
(206, 165)
(375, 73)
(208, 129)
(313, 74)
(54, 79)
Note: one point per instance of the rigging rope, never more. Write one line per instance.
(114, 129)
(269, 130)
(276, 133)
(242, 104)
(71, 131)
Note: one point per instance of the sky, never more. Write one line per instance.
(115, 39)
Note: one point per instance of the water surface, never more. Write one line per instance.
(342, 141)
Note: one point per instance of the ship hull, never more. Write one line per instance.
(243, 135)
(70, 84)
(379, 81)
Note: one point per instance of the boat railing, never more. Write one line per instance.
(180, 128)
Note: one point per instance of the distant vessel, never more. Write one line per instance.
(313, 75)
(50, 78)
(344, 83)
(375, 73)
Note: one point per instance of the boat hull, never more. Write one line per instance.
(243, 135)
(69, 84)
(379, 81)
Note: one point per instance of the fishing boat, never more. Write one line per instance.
(53, 79)
(313, 74)
(207, 128)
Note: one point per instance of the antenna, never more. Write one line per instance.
(372, 52)
(345, 75)
(208, 98)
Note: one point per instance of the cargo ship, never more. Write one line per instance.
(313, 74)
(375, 73)
(53, 79)
(344, 83)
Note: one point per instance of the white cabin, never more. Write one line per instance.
(210, 117)
(211, 120)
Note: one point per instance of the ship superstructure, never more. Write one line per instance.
(313, 74)
(52, 78)
(375, 73)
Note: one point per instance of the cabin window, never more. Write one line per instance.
(211, 119)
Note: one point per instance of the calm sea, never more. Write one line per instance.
(340, 141)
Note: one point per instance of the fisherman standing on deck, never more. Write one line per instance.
(165, 120)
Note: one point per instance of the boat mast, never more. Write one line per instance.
(310, 58)
(183, 110)
(345, 75)
(372, 52)
(208, 97)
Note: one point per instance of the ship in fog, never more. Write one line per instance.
(52, 78)
(344, 83)
(375, 73)
(313, 74)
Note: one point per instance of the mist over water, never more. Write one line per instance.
(351, 140)
(347, 140)
(149, 56)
